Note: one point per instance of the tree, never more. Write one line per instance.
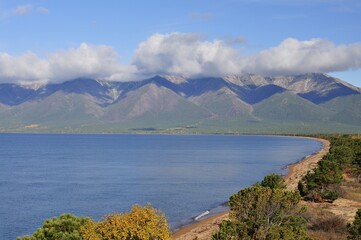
(342, 155)
(66, 227)
(354, 229)
(259, 212)
(357, 167)
(273, 181)
(328, 172)
(318, 185)
(141, 223)
(232, 230)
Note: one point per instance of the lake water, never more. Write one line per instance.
(44, 175)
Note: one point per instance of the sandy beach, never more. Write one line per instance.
(204, 229)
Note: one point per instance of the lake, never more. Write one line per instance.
(44, 175)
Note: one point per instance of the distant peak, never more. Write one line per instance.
(246, 79)
(175, 78)
(33, 86)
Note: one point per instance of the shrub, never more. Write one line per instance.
(66, 227)
(342, 154)
(273, 181)
(231, 230)
(259, 212)
(330, 195)
(331, 224)
(145, 223)
(354, 229)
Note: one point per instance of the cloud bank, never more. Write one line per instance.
(184, 54)
(316, 55)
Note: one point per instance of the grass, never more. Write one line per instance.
(351, 190)
(325, 225)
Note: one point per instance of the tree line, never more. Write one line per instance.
(322, 183)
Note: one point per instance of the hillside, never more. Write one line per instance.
(233, 104)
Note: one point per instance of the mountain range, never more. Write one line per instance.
(306, 103)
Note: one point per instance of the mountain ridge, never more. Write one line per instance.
(177, 104)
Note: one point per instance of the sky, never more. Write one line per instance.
(53, 41)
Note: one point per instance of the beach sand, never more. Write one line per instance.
(203, 230)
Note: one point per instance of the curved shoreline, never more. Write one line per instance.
(204, 229)
(297, 170)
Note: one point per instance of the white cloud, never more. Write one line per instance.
(85, 61)
(186, 54)
(23, 9)
(99, 62)
(316, 55)
(25, 68)
(180, 54)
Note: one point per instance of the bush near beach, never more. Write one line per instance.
(140, 223)
(264, 211)
(65, 227)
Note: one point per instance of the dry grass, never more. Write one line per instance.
(325, 225)
(320, 235)
(329, 221)
(352, 190)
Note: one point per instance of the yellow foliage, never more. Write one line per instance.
(141, 223)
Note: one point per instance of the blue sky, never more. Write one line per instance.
(136, 38)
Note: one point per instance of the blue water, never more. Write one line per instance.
(42, 176)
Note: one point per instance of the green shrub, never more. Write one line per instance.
(231, 230)
(66, 227)
(260, 212)
(273, 181)
(329, 195)
(345, 153)
(354, 229)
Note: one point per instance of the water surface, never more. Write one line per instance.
(44, 175)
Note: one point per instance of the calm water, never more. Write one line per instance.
(42, 176)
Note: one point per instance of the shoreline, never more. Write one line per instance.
(204, 229)
(298, 169)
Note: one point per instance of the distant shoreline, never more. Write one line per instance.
(205, 228)
(167, 133)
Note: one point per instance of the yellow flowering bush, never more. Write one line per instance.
(141, 223)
